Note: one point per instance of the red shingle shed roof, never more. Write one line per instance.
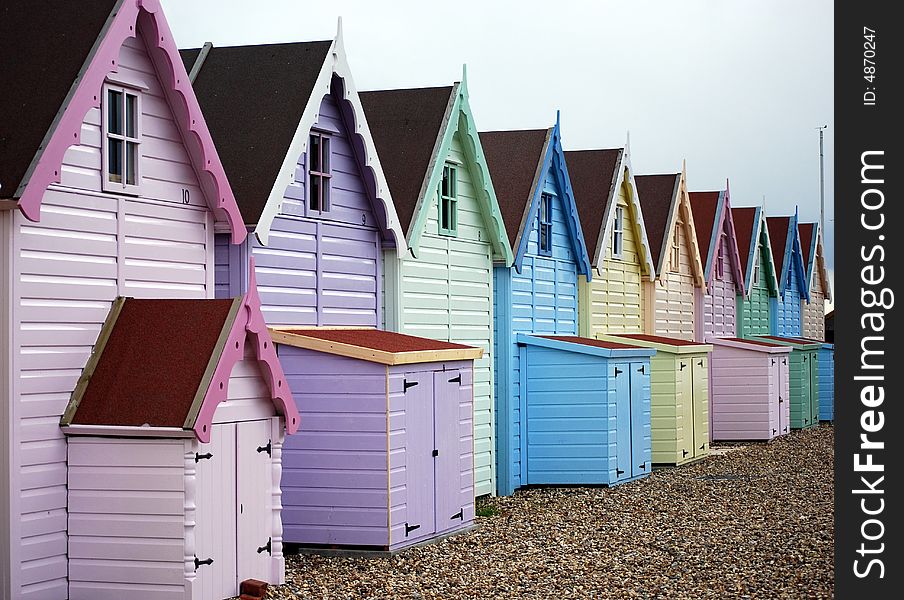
(744, 222)
(592, 173)
(806, 239)
(778, 236)
(656, 194)
(704, 205)
(658, 339)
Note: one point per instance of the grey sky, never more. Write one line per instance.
(735, 87)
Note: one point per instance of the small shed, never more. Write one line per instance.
(804, 379)
(585, 411)
(749, 389)
(786, 307)
(679, 396)
(758, 270)
(826, 382)
(385, 456)
(175, 434)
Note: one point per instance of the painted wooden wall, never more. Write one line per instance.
(827, 382)
(6, 383)
(447, 294)
(679, 407)
(754, 311)
(90, 247)
(673, 293)
(804, 388)
(322, 270)
(612, 301)
(542, 298)
(814, 312)
(787, 307)
(720, 305)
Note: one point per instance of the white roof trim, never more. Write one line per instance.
(335, 63)
(127, 431)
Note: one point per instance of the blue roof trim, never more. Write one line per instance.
(714, 235)
(535, 340)
(814, 244)
(791, 243)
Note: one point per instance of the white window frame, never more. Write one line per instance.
(675, 259)
(618, 232)
(756, 273)
(720, 261)
(324, 176)
(120, 187)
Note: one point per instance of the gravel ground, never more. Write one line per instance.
(768, 534)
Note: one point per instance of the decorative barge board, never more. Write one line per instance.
(679, 392)
(175, 432)
(804, 379)
(814, 315)
(760, 283)
(307, 179)
(611, 217)
(118, 188)
(538, 294)
(585, 407)
(442, 286)
(791, 274)
(670, 301)
(749, 389)
(384, 457)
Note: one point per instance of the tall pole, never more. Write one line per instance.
(822, 184)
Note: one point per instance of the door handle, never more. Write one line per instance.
(206, 561)
(268, 448)
(200, 457)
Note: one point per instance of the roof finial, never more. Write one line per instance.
(684, 166)
(558, 117)
(339, 43)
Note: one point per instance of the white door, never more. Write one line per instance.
(215, 531)
(254, 517)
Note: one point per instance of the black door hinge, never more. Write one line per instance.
(617, 371)
(774, 431)
(456, 379)
(683, 453)
(268, 448)
(410, 528)
(780, 400)
(784, 361)
(786, 429)
(703, 447)
(409, 384)
(700, 364)
(266, 547)
(435, 453)
(644, 466)
(682, 366)
(618, 472)
(642, 369)
(773, 362)
(198, 563)
(200, 457)
(460, 515)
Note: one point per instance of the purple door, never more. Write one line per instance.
(784, 407)
(447, 397)
(419, 458)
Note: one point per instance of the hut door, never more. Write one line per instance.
(813, 366)
(780, 377)
(624, 452)
(699, 375)
(685, 409)
(640, 457)
(806, 389)
(254, 486)
(419, 458)
(447, 387)
(215, 534)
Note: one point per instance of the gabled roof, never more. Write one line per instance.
(750, 229)
(518, 162)
(64, 51)
(596, 176)
(712, 216)
(161, 367)
(662, 206)
(413, 130)
(814, 259)
(785, 246)
(261, 103)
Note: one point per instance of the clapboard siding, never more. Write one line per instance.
(814, 312)
(614, 295)
(447, 294)
(741, 386)
(788, 304)
(8, 449)
(827, 382)
(89, 247)
(753, 311)
(335, 468)
(126, 522)
(247, 397)
(674, 292)
(720, 305)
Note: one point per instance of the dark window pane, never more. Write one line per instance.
(114, 160)
(324, 155)
(131, 163)
(114, 112)
(131, 115)
(444, 210)
(315, 192)
(325, 189)
(453, 182)
(314, 153)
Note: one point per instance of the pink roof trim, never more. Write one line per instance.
(165, 56)
(249, 323)
(723, 216)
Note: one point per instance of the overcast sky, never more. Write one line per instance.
(735, 87)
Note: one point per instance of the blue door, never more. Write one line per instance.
(624, 431)
(641, 451)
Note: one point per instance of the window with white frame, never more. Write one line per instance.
(675, 260)
(756, 273)
(319, 173)
(545, 224)
(720, 261)
(448, 201)
(121, 109)
(618, 232)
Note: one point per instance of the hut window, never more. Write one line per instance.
(121, 108)
(676, 253)
(545, 224)
(720, 261)
(448, 201)
(319, 173)
(756, 273)
(618, 232)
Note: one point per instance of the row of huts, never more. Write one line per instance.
(245, 304)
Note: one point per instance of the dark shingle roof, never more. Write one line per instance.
(405, 125)
(656, 194)
(591, 173)
(806, 231)
(778, 235)
(253, 98)
(744, 222)
(44, 46)
(513, 158)
(704, 206)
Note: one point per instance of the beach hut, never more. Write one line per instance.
(786, 307)
(585, 411)
(760, 284)
(679, 396)
(538, 295)
(814, 314)
(110, 185)
(611, 219)
(439, 283)
(384, 456)
(670, 302)
(804, 379)
(175, 434)
(306, 176)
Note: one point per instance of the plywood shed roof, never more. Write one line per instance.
(593, 176)
(657, 194)
(270, 85)
(374, 345)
